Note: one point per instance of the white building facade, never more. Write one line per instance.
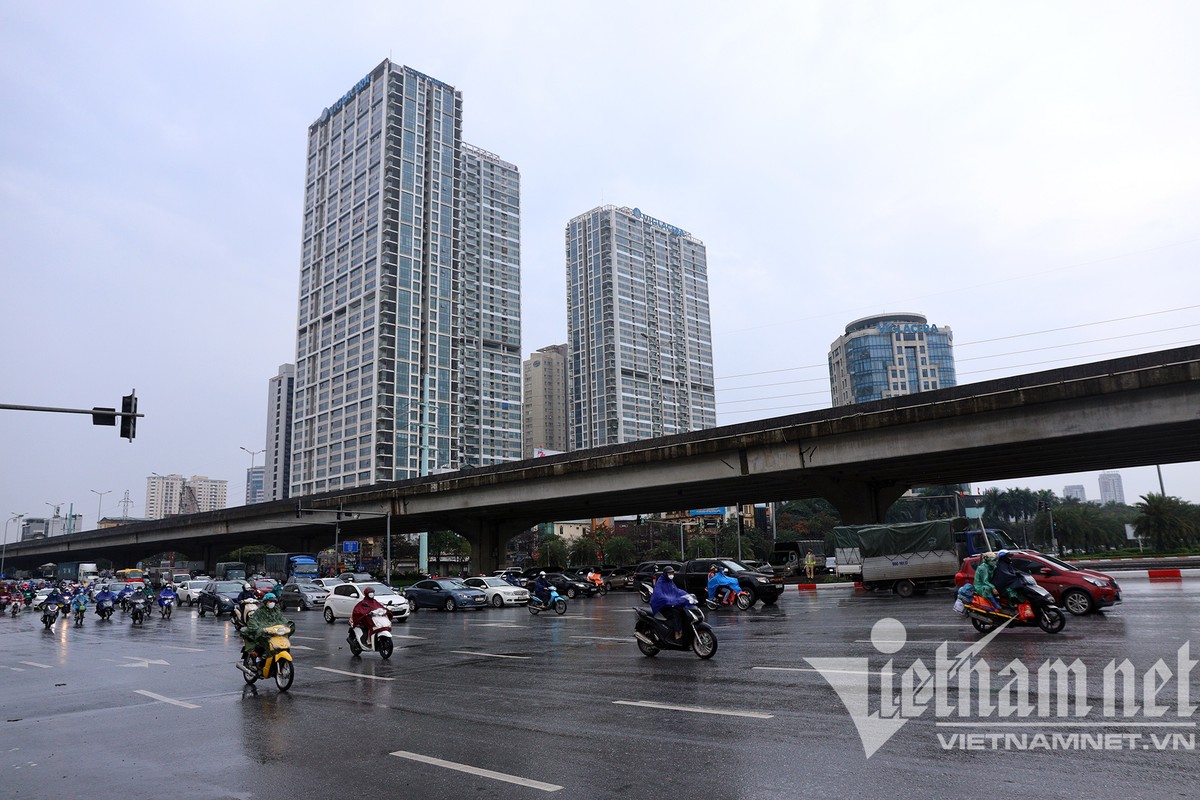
(277, 463)
(638, 329)
(171, 495)
(403, 313)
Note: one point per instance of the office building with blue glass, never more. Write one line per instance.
(890, 355)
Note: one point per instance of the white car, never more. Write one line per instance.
(189, 592)
(345, 596)
(499, 591)
(329, 583)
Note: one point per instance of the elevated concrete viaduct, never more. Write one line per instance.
(1125, 412)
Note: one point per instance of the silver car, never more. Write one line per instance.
(499, 591)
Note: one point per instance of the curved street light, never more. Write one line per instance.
(99, 500)
(4, 547)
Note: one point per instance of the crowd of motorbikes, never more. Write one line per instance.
(75, 601)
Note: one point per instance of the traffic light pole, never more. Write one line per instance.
(100, 416)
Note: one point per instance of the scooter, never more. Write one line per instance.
(165, 604)
(655, 633)
(79, 612)
(49, 614)
(104, 609)
(380, 638)
(16, 608)
(536, 606)
(276, 662)
(137, 609)
(1036, 607)
(242, 612)
(741, 598)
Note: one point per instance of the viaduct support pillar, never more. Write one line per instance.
(861, 501)
(488, 539)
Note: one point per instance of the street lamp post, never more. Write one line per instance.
(4, 548)
(250, 474)
(99, 500)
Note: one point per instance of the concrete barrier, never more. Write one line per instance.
(1164, 575)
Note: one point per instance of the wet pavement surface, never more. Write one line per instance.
(500, 703)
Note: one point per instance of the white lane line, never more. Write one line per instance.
(15, 669)
(303, 647)
(626, 640)
(185, 649)
(162, 699)
(693, 709)
(35, 664)
(809, 669)
(485, 773)
(408, 636)
(310, 638)
(489, 655)
(354, 674)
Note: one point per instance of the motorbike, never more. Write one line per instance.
(242, 612)
(276, 662)
(49, 614)
(741, 598)
(137, 609)
(16, 608)
(601, 586)
(165, 604)
(104, 609)
(557, 603)
(380, 638)
(79, 612)
(655, 633)
(1035, 607)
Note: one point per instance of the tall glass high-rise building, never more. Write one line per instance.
(889, 356)
(640, 341)
(408, 343)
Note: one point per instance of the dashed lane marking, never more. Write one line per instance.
(489, 655)
(162, 699)
(693, 709)
(354, 674)
(35, 664)
(484, 773)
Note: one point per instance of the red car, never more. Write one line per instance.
(1079, 591)
(262, 586)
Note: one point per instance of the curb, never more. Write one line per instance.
(812, 587)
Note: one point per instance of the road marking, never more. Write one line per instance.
(145, 662)
(15, 669)
(407, 636)
(302, 647)
(35, 664)
(484, 773)
(808, 669)
(162, 699)
(353, 674)
(489, 655)
(185, 649)
(693, 709)
(625, 639)
(310, 638)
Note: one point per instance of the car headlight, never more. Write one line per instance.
(762, 580)
(1094, 581)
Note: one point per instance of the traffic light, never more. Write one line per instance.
(639, 519)
(128, 420)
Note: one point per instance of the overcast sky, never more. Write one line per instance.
(1026, 173)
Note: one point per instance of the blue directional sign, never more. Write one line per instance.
(349, 547)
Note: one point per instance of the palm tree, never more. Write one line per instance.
(1167, 521)
(619, 550)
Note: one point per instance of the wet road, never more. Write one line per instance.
(499, 703)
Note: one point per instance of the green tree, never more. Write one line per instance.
(1167, 521)
(447, 543)
(584, 550)
(700, 547)
(620, 550)
(552, 551)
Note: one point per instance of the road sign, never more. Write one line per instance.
(350, 547)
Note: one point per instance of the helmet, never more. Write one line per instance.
(1001, 553)
(246, 586)
(269, 596)
(368, 592)
(668, 570)
(989, 557)
(724, 570)
(541, 574)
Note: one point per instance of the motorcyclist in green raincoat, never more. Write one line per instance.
(268, 615)
(983, 578)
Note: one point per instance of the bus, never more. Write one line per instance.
(130, 576)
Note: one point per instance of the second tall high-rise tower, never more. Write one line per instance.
(638, 329)
(408, 332)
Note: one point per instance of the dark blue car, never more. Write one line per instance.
(448, 593)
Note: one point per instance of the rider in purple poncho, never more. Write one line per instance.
(669, 599)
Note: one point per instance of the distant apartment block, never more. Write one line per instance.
(45, 527)
(172, 495)
(277, 464)
(1075, 491)
(254, 484)
(639, 333)
(544, 376)
(890, 355)
(1111, 490)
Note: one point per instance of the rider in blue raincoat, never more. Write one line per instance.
(722, 578)
(79, 602)
(166, 594)
(102, 595)
(669, 599)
